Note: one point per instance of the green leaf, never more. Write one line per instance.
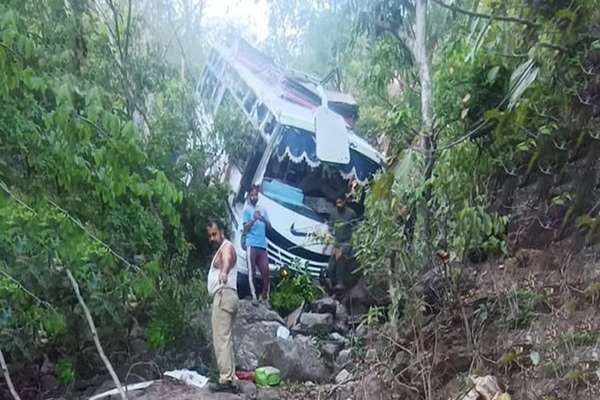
(115, 125)
(129, 132)
(492, 74)
(584, 221)
(153, 267)
(565, 13)
(63, 94)
(65, 372)
(143, 287)
(54, 324)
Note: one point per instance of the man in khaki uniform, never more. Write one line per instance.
(222, 286)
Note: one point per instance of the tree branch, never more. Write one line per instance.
(116, 22)
(90, 234)
(11, 387)
(92, 327)
(553, 46)
(29, 292)
(127, 30)
(399, 34)
(487, 16)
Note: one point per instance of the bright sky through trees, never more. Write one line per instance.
(250, 14)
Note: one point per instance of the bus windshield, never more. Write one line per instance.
(296, 179)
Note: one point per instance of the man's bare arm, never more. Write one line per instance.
(228, 258)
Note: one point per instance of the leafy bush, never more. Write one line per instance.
(294, 288)
(84, 188)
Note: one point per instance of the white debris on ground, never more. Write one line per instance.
(188, 377)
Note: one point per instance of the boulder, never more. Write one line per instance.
(176, 390)
(340, 320)
(371, 356)
(297, 359)
(255, 325)
(344, 357)
(342, 377)
(338, 338)
(312, 323)
(248, 389)
(326, 305)
(292, 319)
(331, 350)
(268, 394)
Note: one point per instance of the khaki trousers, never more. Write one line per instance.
(224, 310)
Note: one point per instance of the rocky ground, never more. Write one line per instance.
(312, 348)
(527, 326)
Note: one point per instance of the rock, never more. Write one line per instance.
(362, 330)
(326, 305)
(298, 360)
(176, 390)
(342, 376)
(268, 394)
(292, 319)
(248, 389)
(487, 387)
(283, 332)
(371, 356)
(331, 350)
(254, 327)
(316, 323)
(249, 313)
(344, 357)
(249, 343)
(336, 337)
(470, 395)
(340, 320)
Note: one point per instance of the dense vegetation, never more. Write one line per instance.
(495, 96)
(472, 100)
(94, 172)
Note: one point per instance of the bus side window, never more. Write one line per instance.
(250, 168)
(269, 124)
(250, 100)
(261, 112)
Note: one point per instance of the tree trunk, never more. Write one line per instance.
(424, 64)
(427, 140)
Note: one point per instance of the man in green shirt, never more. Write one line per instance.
(341, 262)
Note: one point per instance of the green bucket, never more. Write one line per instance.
(267, 376)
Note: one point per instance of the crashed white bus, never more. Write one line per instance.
(304, 154)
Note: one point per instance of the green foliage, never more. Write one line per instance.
(235, 134)
(294, 288)
(65, 372)
(96, 176)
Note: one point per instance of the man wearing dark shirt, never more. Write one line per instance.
(341, 261)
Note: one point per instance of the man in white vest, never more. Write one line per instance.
(222, 287)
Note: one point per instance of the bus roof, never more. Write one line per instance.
(267, 86)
